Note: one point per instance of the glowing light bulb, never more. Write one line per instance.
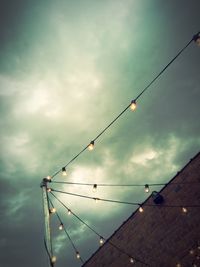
(96, 199)
(101, 241)
(178, 265)
(91, 146)
(146, 188)
(64, 172)
(61, 226)
(53, 259)
(197, 38)
(141, 209)
(48, 189)
(191, 252)
(52, 210)
(132, 260)
(48, 178)
(69, 212)
(133, 105)
(77, 255)
(184, 210)
(94, 188)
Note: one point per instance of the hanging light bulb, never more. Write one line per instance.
(146, 188)
(69, 212)
(91, 146)
(48, 178)
(94, 188)
(48, 189)
(196, 38)
(178, 265)
(101, 241)
(77, 255)
(141, 209)
(52, 210)
(64, 172)
(191, 252)
(184, 210)
(132, 260)
(61, 226)
(133, 105)
(96, 199)
(53, 259)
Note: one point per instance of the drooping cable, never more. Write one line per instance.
(125, 202)
(99, 235)
(66, 232)
(194, 38)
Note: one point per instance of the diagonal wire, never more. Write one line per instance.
(125, 202)
(61, 222)
(92, 229)
(137, 97)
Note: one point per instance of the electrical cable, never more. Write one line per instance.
(124, 202)
(194, 38)
(64, 228)
(94, 231)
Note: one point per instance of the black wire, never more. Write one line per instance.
(125, 202)
(121, 185)
(61, 222)
(101, 236)
(123, 111)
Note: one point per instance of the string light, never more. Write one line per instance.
(146, 188)
(52, 210)
(53, 259)
(101, 241)
(48, 189)
(184, 210)
(178, 265)
(94, 188)
(48, 178)
(141, 209)
(132, 260)
(197, 38)
(191, 252)
(91, 146)
(77, 255)
(96, 199)
(64, 172)
(69, 212)
(61, 226)
(133, 105)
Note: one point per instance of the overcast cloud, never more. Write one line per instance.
(67, 68)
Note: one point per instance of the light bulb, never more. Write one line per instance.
(78, 255)
(196, 38)
(64, 172)
(48, 189)
(48, 178)
(141, 209)
(132, 260)
(94, 188)
(61, 226)
(91, 146)
(52, 210)
(133, 105)
(53, 259)
(146, 188)
(96, 199)
(178, 265)
(184, 210)
(69, 212)
(101, 241)
(191, 252)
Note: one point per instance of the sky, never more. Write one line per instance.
(67, 69)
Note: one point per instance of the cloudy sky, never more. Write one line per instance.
(67, 68)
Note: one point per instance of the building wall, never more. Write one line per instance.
(160, 236)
